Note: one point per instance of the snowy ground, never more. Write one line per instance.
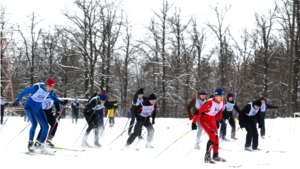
(280, 149)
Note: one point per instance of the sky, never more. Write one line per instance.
(139, 12)
(173, 147)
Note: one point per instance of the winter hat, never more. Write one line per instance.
(219, 92)
(76, 98)
(257, 103)
(2, 97)
(202, 91)
(50, 82)
(103, 92)
(141, 91)
(103, 97)
(229, 95)
(152, 97)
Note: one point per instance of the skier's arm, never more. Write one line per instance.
(206, 106)
(189, 107)
(271, 107)
(108, 105)
(237, 108)
(29, 90)
(154, 114)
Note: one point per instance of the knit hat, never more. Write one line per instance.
(141, 91)
(76, 98)
(257, 103)
(50, 82)
(152, 97)
(103, 97)
(229, 95)
(219, 92)
(202, 91)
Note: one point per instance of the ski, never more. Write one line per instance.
(67, 149)
(37, 153)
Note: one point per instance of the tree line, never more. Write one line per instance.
(98, 51)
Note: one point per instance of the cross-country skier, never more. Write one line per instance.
(195, 103)
(75, 110)
(143, 113)
(228, 115)
(52, 120)
(263, 108)
(247, 119)
(137, 99)
(94, 104)
(210, 114)
(33, 108)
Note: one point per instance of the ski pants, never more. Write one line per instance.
(262, 124)
(132, 114)
(211, 129)
(51, 121)
(37, 115)
(1, 115)
(252, 134)
(199, 132)
(231, 123)
(138, 129)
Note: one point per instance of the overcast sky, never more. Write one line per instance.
(240, 15)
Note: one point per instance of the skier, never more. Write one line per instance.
(210, 114)
(3, 104)
(228, 115)
(195, 103)
(263, 108)
(143, 113)
(75, 108)
(92, 117)
(247, 119)
(111, 112)
(52, 120)
(33, 108)
(137, 99)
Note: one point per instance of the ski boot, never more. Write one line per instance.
(217, 158)
(207, 159)
(30, 146)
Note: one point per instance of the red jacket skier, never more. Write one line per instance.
(210, 114)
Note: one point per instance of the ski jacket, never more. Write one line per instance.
(211, 109)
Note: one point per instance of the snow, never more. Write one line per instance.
(280, 149)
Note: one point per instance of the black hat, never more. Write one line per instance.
(141, 91)
(202, 91)
(152, 97)
(257, 103)
(229, 95)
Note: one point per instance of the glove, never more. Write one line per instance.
(218, 124)
(259, 125)
(191, 117)
(65, 102)
(57, 114)
(16, 103)
(194, 126)
(153, 122)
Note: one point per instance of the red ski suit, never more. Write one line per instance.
(208, 114)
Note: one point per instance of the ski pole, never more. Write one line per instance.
(140, 139)
(199, 143)
(55, 122)
(120, 135)
(174, 142)
(7, 116)
(126, 122)
(103, 127)
(18, 134)
(177, 124)
(273, 123)
(83, 128)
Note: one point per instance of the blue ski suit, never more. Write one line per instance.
(33, 108)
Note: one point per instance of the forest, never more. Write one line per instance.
(98, 52)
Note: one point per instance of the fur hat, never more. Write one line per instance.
(152, 97)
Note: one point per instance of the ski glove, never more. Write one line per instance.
(65, 102)
(16, 103)
(218, 124)
(191, 117)
(194, 126)
(153, 122)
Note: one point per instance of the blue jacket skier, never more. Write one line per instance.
(33, 108)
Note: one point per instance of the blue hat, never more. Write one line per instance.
(202, 91)
(219, 92)
(76, 98)
(103, 97)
